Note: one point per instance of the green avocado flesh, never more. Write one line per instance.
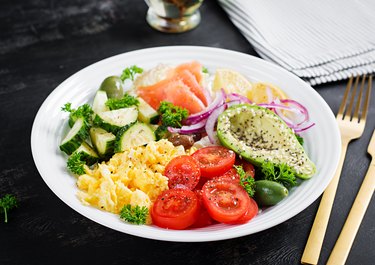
(259, 135)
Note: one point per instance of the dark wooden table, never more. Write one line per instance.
(44, 42)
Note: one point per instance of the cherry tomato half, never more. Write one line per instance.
(214, 160)
(231, 174)
(183, 170)
(175, 209)
(204, 219)
(225, 200)
(251, 212)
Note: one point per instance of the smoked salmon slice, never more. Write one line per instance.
(182, 88)
(174, 91)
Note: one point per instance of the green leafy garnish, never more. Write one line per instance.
(85, 111)
(135, 215)
(126, 101)
(130, 72)
(246, 181)
(281, 173)
(7, 203)
(299, 139)
(205, 70)
(170, 116)
(76, 163)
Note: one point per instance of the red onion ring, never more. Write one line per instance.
(186, 129)
(211, 121)
(197, 117)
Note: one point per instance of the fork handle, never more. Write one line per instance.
(344, 243)
(315, 241)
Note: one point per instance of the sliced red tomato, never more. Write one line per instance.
(231, 174)
(204, 219)
(225, 200)
(214, 160)
(183, 170)
(175, 209)
(252, 211)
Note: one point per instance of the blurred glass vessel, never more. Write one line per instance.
(173, 16)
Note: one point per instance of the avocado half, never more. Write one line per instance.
(258, 135)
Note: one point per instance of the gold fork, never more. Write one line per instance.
(344, 243)
(351, 127)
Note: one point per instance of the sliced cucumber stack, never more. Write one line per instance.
(147, 114)
(77, 134)
(100, 99)
(136, 134)
(103, 141)
(114, 120)
(87, 153)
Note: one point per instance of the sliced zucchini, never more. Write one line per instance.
(103, 141)
(100, 99)
(114, 120)
(133, 135)
(87, 153)
(77, 134)
(147, 113)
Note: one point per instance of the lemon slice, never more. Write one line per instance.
(265, 93)
(231, 81)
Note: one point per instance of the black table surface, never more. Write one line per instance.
(44, 42)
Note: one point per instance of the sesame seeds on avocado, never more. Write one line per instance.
(259, 135)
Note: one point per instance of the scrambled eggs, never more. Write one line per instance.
(134, 177)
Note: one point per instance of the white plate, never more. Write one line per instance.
(321, 142)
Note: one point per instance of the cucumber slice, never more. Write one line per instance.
(146, 113)
(87, 153)
(77, 134)
(100, 99)
(103, 141)
(114, 120)
(133, 135)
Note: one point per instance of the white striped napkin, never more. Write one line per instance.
(320, 41)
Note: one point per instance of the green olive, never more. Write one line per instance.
(268, 193)
(113, 86)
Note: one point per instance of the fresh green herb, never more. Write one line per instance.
(246, 181)
(126, 101)
(85, 111)
(205, 70)
(135, 215)
(130, 72)
(282, 174)
(7, 203)
(172, 115)
(76, 164)
(299, 139)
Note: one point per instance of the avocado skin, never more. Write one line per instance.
(269, 193)
(228, 140)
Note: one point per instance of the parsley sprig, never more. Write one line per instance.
(281, 173)
(84, 111)
(7, 203)
(124, 102)
(130, 72)
(246, 181)
(170, 116)
(135, 215)
(76, 163)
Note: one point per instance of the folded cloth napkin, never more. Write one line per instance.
(320, 41)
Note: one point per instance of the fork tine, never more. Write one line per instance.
(340, 113)
(367, 101)
(356, 111)
(348, 111)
